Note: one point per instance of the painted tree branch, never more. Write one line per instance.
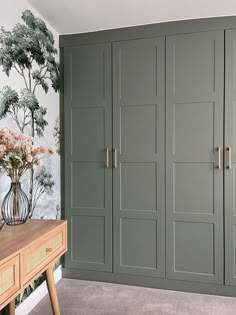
(44, 183)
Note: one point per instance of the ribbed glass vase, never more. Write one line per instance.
(15, 205)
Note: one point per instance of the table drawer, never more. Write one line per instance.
(40, 254)
(9, 278)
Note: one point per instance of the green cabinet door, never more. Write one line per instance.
(138, 137)
(194, 132)
(88, 131)
(230, 154)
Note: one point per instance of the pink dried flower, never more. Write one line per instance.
(11, 131)
(51, 151)
(25, 138)
(10, 145)
(28, 148)
(19, 147)
(19, 150)
(43, 150)
(36, 151)
(2, 149)
(29, 158)
(37, 162)
(6, 138)
(4, 131)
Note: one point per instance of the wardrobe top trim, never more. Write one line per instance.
(149, 30)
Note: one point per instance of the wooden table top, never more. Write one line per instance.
(15, 238)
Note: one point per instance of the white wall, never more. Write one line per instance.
(10, 14)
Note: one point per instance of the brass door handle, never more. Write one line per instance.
(229, 166)
(115, 158)
(219, 158)
(107, 158)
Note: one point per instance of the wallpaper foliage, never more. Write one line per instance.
(28, 52)
(28, 56)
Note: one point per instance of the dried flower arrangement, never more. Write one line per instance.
(18, 154)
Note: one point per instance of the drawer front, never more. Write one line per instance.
(9, 278)
(39, 255)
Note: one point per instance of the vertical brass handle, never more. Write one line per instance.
(115, 158)
(107, 158)
(229, 158)
(219, 158)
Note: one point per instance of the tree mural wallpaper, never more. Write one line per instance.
(28, 51)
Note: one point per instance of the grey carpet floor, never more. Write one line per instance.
(99, 298)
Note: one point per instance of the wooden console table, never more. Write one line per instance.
(26, 251)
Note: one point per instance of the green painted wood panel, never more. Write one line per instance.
(194, 130)
(138, 136)
(88, 131)
(230, 142)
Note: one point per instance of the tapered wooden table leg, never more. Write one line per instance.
(12, 307)
(52, 291)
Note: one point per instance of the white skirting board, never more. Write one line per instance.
(35, 297)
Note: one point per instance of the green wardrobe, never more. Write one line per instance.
(149, 158)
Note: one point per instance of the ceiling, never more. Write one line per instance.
(78, 16)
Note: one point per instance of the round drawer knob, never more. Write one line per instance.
(49, 249)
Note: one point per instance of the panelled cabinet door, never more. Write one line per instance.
(88, 131)
(230, 158)
(194, 132)
(138, 138)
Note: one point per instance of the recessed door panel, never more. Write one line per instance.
(88, 185)
(138, 137)
(88, 84)
(194, 132)
(135, 178)
(88, 132)
(199, 259)
(193, 77)
(136, 234)
(88, 129)
(193, 188)
(189, 119)
(90, 243)
(142, 138)
(137, 71)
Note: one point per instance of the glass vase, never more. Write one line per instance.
(15, 205)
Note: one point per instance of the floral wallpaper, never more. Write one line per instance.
(28, 52)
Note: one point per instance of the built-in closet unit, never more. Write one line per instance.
(149, 155)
